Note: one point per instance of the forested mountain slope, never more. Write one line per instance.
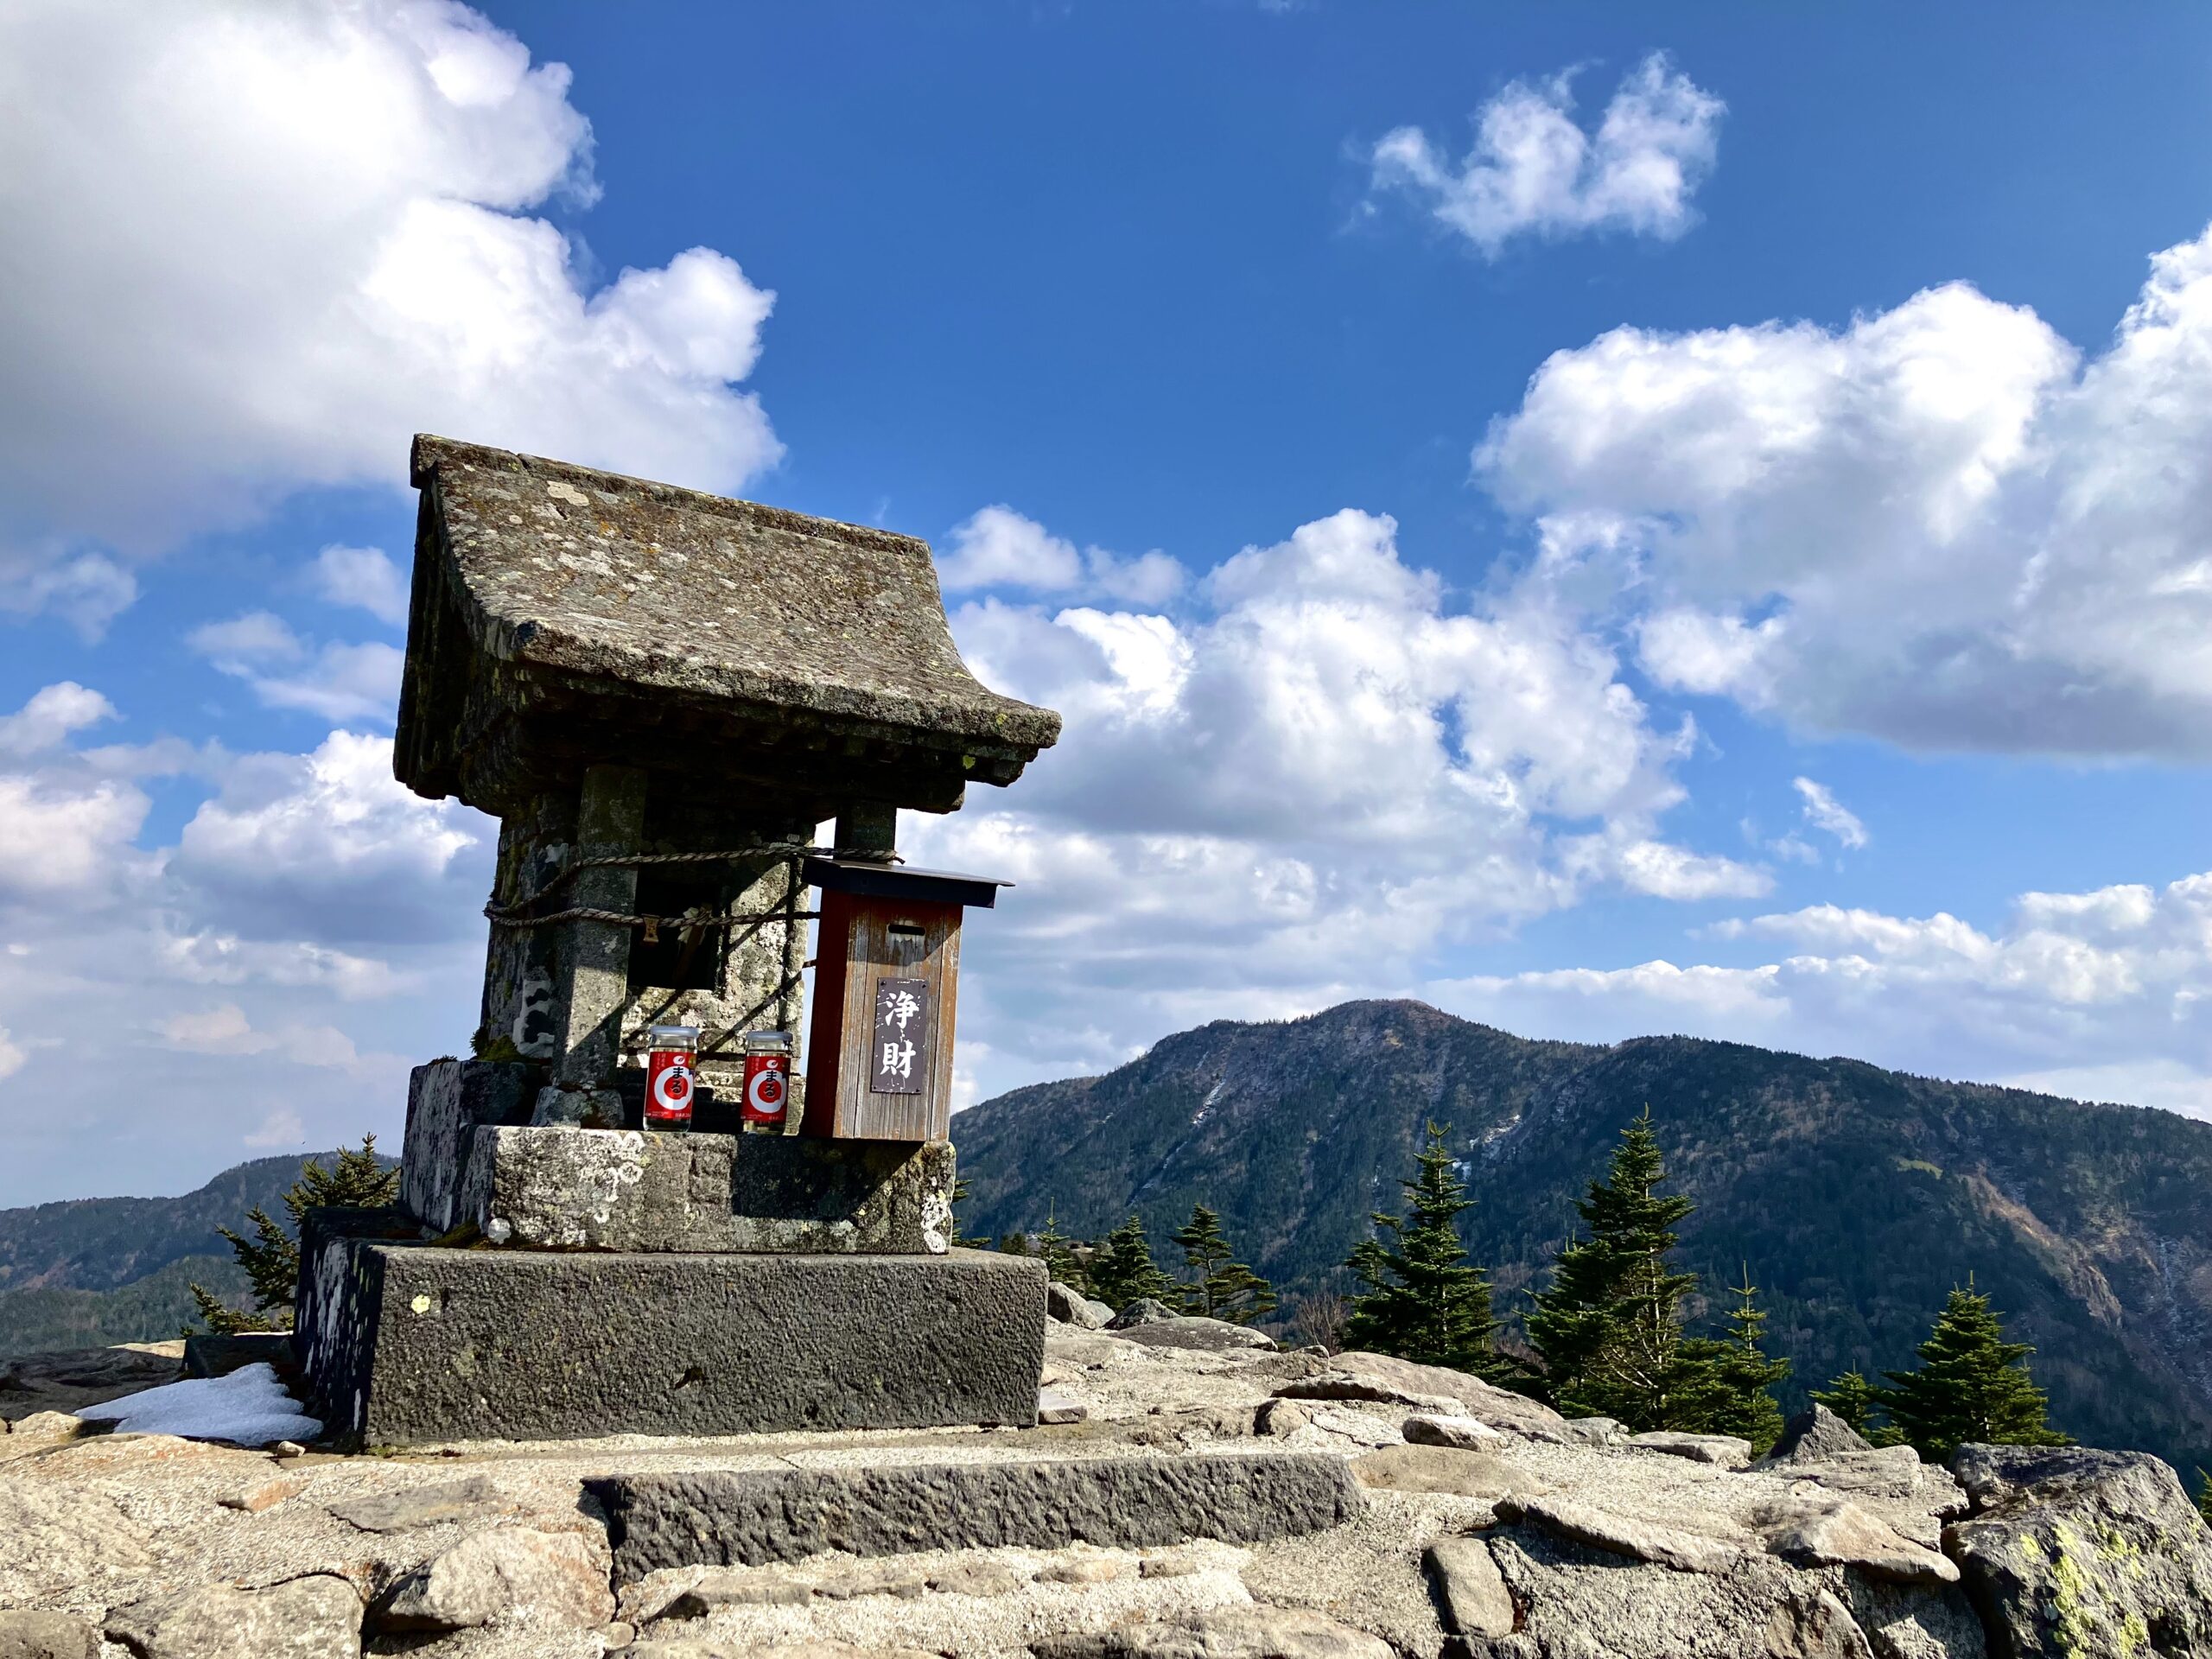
(1858, 1196)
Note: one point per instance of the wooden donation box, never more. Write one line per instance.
(886, 985)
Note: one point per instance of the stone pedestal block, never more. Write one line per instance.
(447, 1101)
(624, 1190)
(406, 1343)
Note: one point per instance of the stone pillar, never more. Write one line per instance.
(866, 828)
(596, 955)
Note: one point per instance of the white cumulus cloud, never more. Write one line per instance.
(1939, 525)
(364, 577)
(252, 247)
(1324, 773)
(997, 547)
(2103, 995)
(1534, 171)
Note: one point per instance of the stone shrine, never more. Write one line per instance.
(660, 694)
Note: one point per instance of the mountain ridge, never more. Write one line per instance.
(1856, 1196)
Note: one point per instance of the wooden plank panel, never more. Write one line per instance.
(897, 939)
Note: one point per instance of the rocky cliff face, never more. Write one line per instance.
(1858, 1196)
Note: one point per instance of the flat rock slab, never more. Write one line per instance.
(1620, 1534)
(27, 1635)
(314, 1617)
(1833, 1532)
(1432, 1388)
(580, 1189)
(748, 1517)
(1475, 1601)
(469, 1499)
(1239, 1633)
(1201, 1334)
(1722, 1451)
(407, 1344)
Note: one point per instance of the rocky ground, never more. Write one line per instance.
(1480, 1524)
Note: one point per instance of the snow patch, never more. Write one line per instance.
(248, 1408)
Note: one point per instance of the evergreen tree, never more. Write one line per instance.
(1972, 1385)
(1123, 1271)
(959, 1197)
(1061, 1261)
(271, 1256)
(1609, 1329)
(1739, 1378)
(1219, 1287)
(2204, 1495)
(1423, 1301)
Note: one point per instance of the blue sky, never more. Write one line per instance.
(1610, 520)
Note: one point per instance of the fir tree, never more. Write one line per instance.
(1123, 1271)
(271, 1256)
(1423, 1301)
(1609, 1329)
(959, 1197)
(2204, 1495)
(1739, 1378)
(1219, 1287)
(1061, 1261)
(1972, 1385)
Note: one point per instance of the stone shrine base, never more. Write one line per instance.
(405, 1343)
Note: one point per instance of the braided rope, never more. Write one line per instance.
(513, 915)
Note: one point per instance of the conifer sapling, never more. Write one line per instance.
(1970, 1386)
(1423, 1299)
(271, 1256)
(1219, 1287)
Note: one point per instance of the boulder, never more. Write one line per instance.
(421, 1506)
(1071, 1306)
(1816, 1435)
(1280, 1419)
(2070, 1551)
(1203, 1335)
(1596, 1431)
(313, 1618)
(1570, 1604)
(1235, 1633)
(1619, 1534)
(1145, 1310)
(1880, 1471)
(1467, 1434)
(501, 1577)
(1473, 1595)
(26, 1635)
(1722, 1450)
(1834, 1532)
(1432, 1387)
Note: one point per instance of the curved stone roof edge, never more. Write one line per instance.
(540, 640)
(429, 446)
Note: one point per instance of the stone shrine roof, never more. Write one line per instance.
(592, 580)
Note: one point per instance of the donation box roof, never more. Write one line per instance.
(564, 617)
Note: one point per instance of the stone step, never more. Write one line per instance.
(747, 1517)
